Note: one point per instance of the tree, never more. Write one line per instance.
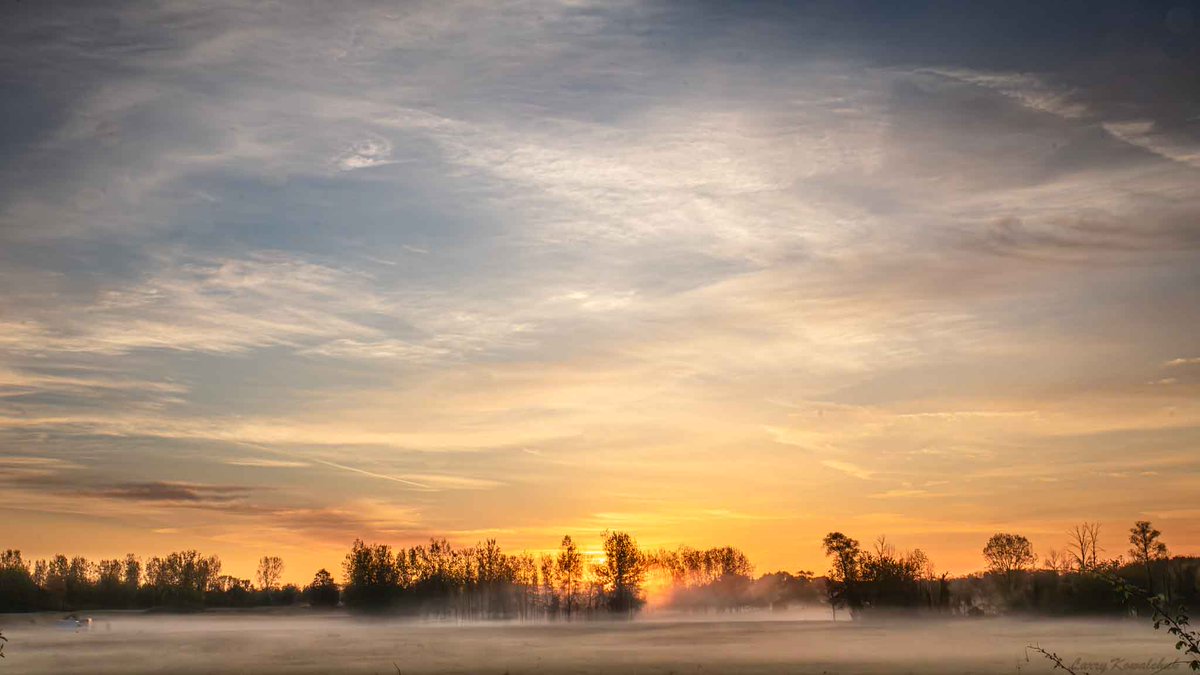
(270, 569)
(1146, 548)
(1084, 546)
(569, 566)
(18, 592)
(182, 578)
(621, 573)
(109, 586)
(132, 573)
(548, 572)
(843, 578)
(372, 576)
(888, 579)
(1057, 561)
(1008, 554)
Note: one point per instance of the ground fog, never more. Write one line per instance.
(242, 642)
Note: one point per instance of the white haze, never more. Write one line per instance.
(797, 644)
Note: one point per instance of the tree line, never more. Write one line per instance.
(1076, 579)
(183, 580)
(483, 581)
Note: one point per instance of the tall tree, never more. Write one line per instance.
(372, 576)
(1084, 546)
(844, 574)
(548, 573)
(183, 577)
(1146, 548)
(133, 573)
(569, 566)
(18, 590)
(270, 570)
(622, 572)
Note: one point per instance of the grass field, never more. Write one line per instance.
(243, 642)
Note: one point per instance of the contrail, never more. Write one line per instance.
(343, 467)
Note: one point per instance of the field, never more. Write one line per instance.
(246, 642)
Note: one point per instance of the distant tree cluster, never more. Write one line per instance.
(1076, 579)
(860, 579)
(1073, 580)
(181, 580)
(485, 582)
(721, 579)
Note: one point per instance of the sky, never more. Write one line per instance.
(276, 276)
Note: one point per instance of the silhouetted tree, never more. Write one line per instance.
(323, 591)
(1008, 557)
(270, 570)
(18, 592)
(286, 595)
(569, 568)
(133, 572)
(182, 578)
(372, 577)
(621, 573)
(548, 593)
(843, 579)
(231, 591)
(1008, 554)
(1057, 561)
(110, 583)
(1084, 546)
(891, 580)
(1146, 548)
(778, 590)
(713, 578)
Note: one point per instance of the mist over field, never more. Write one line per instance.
(797, 643)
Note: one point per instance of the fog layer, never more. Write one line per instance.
(274, 643)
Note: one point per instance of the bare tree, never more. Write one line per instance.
(1084, 546)
(1146, 548)
(270, 569)
(1057, 561)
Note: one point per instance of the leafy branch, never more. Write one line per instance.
(1176, 621)
(1052, 657)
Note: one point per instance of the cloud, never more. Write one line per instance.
(264, 463)
(901, 494)
(848, 468)
(179, 492)
(1143, 134)
(438, 481)
(366, 154)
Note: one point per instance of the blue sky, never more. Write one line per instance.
(709, 272)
